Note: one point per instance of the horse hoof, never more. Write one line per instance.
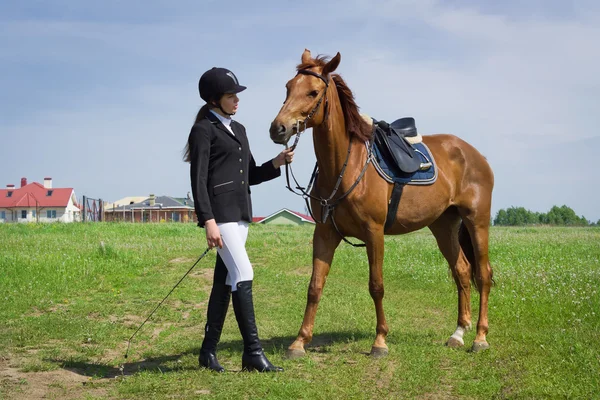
(479, 346)
(378, 352)
(454, 343)
(293, 354)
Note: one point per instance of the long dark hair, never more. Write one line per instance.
(201, 115)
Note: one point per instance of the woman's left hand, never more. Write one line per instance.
(285, 157)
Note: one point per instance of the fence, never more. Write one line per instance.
(93, 210)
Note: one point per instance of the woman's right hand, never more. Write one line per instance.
(213, 235)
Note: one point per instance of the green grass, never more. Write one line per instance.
(72, 294)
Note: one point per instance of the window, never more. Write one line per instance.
(23, 213)
(33, 213)
(9, 194)
(49, 193)
(50, 213)
(2, 214)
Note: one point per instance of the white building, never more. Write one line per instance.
(35, 202)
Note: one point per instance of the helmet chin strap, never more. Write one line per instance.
(225, 112)
(218, 105)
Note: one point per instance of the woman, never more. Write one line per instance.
(222, 170)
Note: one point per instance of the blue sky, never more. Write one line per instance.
(100, 96)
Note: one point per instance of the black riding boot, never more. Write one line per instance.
(215, 317)
(253, 358)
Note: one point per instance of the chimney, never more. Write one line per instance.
(10, 186)
(47, 183)
(23, 182)
(152, 200)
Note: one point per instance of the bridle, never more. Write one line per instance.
(327, 204)
(302, 124)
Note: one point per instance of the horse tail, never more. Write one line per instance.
(466, 244)
(464, 238)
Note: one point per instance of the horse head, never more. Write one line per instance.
(305, 104)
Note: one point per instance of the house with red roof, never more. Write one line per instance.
(285, 217)
(36, 202)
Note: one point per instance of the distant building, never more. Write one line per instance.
(152, 209)
(35, 202)
(285, 217)
(125, 201)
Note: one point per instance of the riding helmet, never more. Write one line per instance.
(216, 82)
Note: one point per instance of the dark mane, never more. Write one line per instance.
(355, 125)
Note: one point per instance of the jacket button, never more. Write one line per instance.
(239, 148)
(241, 171)
(240, 160)
(242, 182)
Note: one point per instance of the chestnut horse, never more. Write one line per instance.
(456, 207)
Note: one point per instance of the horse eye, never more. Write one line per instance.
(314, 93)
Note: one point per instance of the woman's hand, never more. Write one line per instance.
(213, 235)
(285, 157)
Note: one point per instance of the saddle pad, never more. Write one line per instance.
(393, 175)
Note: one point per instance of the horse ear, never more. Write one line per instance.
(306, 57)
(332, 64)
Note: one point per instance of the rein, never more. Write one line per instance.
(327, 205)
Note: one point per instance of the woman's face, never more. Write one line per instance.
(229, 103)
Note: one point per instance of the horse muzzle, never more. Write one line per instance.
(279, 133)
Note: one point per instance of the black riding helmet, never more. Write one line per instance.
(216, 82)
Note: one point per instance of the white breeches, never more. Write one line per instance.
(233, 253)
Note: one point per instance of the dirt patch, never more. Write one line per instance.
(36, 312)
(206, 274)
(380, 376)
(181, 260)
(61, 383)
(443, 395)
(157, 331)
(128, 320)
(301, 271)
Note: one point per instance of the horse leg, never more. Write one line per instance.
(477, 230)
(445, 229)
(325, 241)
(375, 250)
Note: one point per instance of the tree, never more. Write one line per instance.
(501, 218)
(564, 216)
(519, 216)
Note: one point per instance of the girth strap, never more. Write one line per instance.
(393, 206)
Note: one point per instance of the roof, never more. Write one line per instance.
(160, 203)
(303, 217)
(36, 195)
(125, 201)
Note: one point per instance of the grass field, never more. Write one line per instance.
(73, 294)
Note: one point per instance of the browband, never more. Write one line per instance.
(308, 72)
